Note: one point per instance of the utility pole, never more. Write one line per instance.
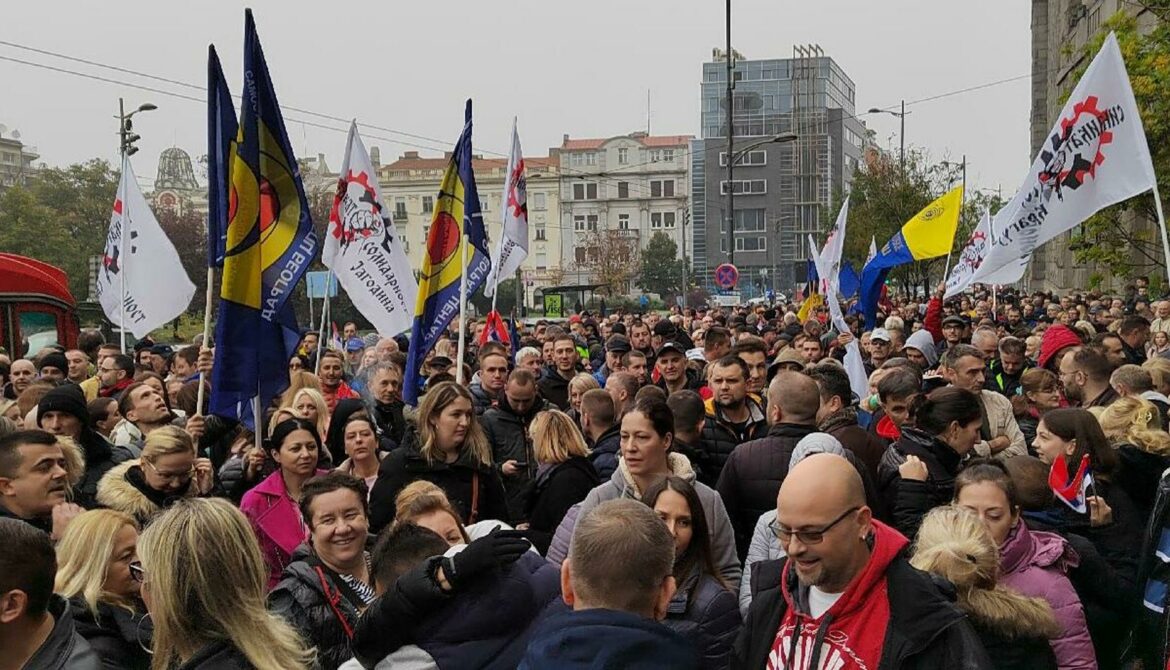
(685, 218)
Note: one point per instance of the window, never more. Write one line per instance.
(623, 221)
(656, 156)
(538, 201)
(745, 244)
(585, 223)
(400, 208)
(585, 191)
(591, 222)
(426, 234)
(623, 156)
(483, 204)
(541, 260)
(428, 204)
(746, 221)
(668, 155)
(579, 254)
(623, 189)
(750, 158)
(661, 188)
(746, 186)
(579, 223)
(591, 158)
(659, 220)
(540, 235)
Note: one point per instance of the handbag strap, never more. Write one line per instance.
(474, 516)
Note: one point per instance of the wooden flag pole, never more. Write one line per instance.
(1162, 227)
(206, 335)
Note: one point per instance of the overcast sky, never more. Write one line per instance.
(577, 68)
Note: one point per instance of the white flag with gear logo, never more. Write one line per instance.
(363, 249)
(141, 277)
(1095, 156)
(971, 257)
(513, 246)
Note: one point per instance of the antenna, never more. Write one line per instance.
(647, 112)
(16, 134)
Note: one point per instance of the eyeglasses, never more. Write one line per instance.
(136, 571)
(784, 535)
(173, 476)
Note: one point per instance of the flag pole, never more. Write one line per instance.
(463, 244)
(122, 253)
(206, 334)
(1162, 226)
(324, 320)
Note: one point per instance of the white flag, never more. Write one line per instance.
(141, 277)
(971, 257)
(1095, 156)
(872, 249)
(363, 249)
(513, 246)
(829, 261)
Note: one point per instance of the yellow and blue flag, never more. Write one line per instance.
(457, 221)
(269, 244)
(931, 233)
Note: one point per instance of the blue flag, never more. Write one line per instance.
(221, 133)
(457, 221)
(269, 245)
(847, 280)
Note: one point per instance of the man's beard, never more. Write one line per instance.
(732, 404)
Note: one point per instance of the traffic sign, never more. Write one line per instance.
(726, 276)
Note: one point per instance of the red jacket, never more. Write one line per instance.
(932, 320)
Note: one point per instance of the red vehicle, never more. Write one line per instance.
(36, 307)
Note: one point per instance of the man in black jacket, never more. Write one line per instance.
(34, 482)
(755, 470)
(733, 415)
(846, 596)
(36, 629)
(386, 390)
(554, 385)
(506, 426)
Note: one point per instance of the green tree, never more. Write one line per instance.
(1109, 239)
(505, 298)
(662, 269)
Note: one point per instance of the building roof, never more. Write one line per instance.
(642, 138)
(412, 161)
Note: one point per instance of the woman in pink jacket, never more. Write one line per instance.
(1034, 563)
(272, 505)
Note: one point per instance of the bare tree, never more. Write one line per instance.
(610, 257)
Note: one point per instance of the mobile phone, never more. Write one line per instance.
(521, 464)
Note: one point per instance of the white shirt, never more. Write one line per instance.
(819, 602)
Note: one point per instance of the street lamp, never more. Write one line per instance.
(901, 117)
(778, 138)
(125, 126)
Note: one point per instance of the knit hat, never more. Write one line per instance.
(815, 443)
(57, 360)
(1056, 339)
(664, 328)
(68, 399)
(923, 341)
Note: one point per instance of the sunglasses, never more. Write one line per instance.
(784, 535)
(136, 571)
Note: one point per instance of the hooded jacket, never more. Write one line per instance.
(908, 500)
(557, 488)
(890, 616)
(719, 438)
(621, 485)
(752, 476)
(277, 521)
(554, 388)
(703, 611)
(64, 649)
(458, 480)
(1036, 564)
(606, 451)
(602, 638)
(125, 489)
(481, 399)
(923, 341)
(320, 605)
(118, 636)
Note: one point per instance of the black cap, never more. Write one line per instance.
(163, 350)
(664, 328)
(55, 359)
(68, 399)
(955, 319)
(440, 361)
(618, 344)
(670, 345)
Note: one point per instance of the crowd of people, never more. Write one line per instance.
(696, 489)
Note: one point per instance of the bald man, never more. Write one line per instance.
(850, 586)
(754, 471)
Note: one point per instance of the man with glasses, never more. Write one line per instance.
(879, 348)
(115, 373)
(1084, 373)
(855, 600)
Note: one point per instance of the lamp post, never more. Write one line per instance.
(902, 134)
(126, 126)
(778, 138)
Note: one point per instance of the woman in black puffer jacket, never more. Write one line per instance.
(703, 609)
(917, 473)
(326, 586)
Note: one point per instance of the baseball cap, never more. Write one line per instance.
(355, 344)
(952, 319)
(880, 334)
(669, 346)
(163, 350)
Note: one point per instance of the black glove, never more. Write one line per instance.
(498, 549)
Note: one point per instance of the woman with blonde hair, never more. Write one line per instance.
(452, 453)
(564, 475)
(578, 385)
(1014, 629)
(300, 379)
(1159, 369)
(1133, 427)
(308, 403)
(203, 581)
(93, 573)
(168, 469)
(425, 505)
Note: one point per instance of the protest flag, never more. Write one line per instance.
(363, 248)
(513, 246)
(970, 258)
(930, 234)
(269, 245)
(456, 261)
